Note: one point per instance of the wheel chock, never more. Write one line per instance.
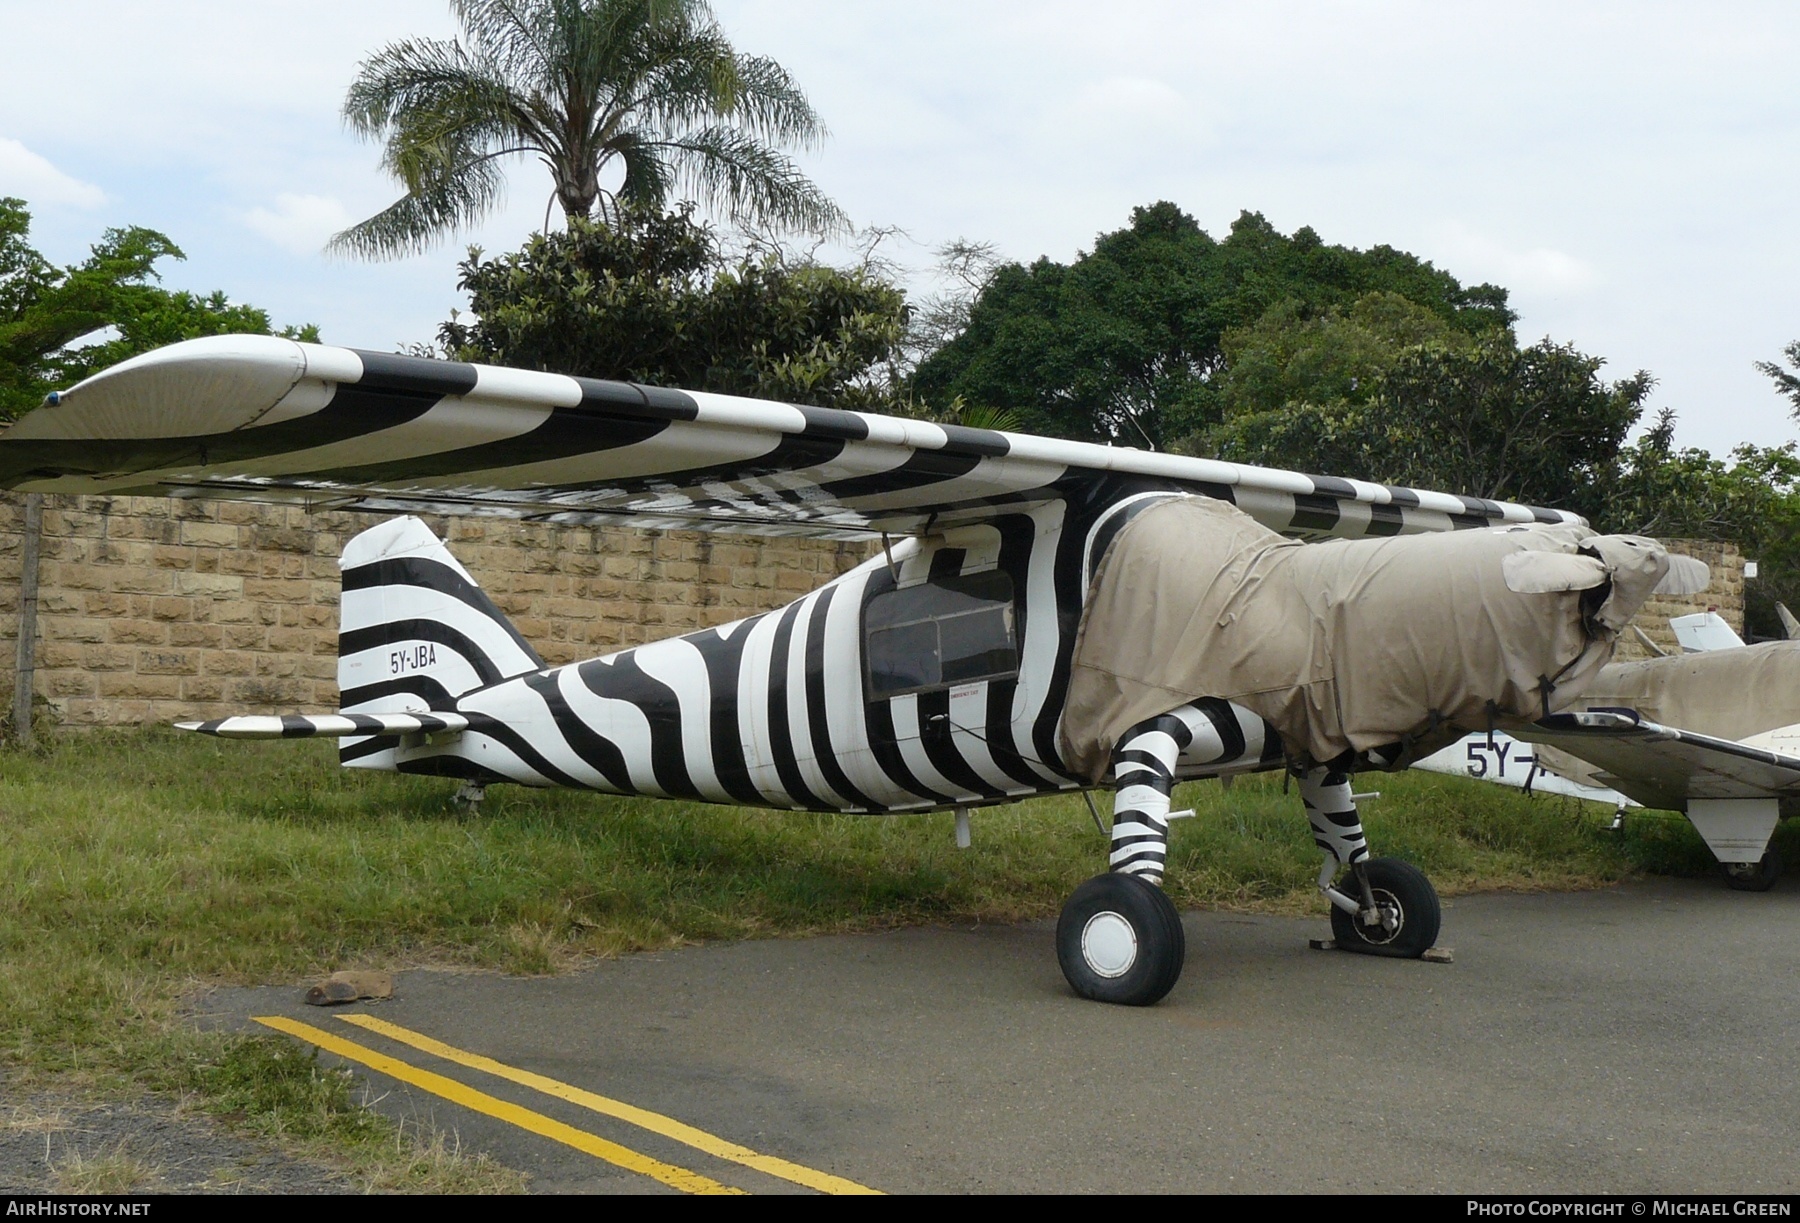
(1431, 955)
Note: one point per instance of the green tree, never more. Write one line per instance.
(1126, 343)
(1689, 493)
(45, 311)
(1752, 500)
(1786, 383)
(1479, 415)
(652, 85)
(1771, 534)
(652, 298)
(1292, 355)
(1496, 420)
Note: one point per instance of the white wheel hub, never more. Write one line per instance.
(1109, 945)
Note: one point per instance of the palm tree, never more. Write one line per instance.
(652, 84)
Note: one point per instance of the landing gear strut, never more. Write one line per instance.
(1386, 906)
(1403, 918)
(1119, 938)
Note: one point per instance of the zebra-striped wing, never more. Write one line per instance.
(271, 419)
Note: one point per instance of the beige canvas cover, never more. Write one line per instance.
(1729, 694)
(1346, 645)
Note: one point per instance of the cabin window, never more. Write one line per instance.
(950, 630)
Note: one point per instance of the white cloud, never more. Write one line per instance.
(1616, 175)
(1126, 108)
(299, 223)
(32, 178)
(1473, 256)
(1128, 97)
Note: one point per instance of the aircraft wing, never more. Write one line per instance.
(1499, 759)
(265, 418)
(1662, 767)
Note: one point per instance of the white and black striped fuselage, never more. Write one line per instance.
(781, 709)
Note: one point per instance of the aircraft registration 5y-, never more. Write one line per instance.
(1042, 615)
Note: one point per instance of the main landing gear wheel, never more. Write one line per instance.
(1754, 876)
(1407, 908)
(1120, 940)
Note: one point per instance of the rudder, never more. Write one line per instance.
(414, 632)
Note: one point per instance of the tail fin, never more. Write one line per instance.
(415, 632)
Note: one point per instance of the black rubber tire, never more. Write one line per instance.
(1120, 903)
(1762, 879)
(1402, 884)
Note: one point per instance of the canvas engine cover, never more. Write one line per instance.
(1343, 646)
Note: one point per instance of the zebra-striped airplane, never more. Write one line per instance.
(932, 677)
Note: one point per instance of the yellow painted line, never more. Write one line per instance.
(481, 1102)
(656, 1123)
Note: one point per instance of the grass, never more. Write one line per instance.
(113, 1171)
(136, 865)
(277, 1090)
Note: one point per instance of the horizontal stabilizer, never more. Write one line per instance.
(1662, 767)
(330, 725)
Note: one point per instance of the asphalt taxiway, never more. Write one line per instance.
(1633, 1040)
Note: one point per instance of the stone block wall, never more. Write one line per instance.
(1724, 595)
(155, 609)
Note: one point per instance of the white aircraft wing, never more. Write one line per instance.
(1662, 767)
(271, 419)
(1502, 760)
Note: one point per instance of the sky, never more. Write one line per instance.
(1627, 170)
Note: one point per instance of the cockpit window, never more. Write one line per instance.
(950, 630)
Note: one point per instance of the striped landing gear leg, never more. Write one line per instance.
(1387, 906)
(1119, 938)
